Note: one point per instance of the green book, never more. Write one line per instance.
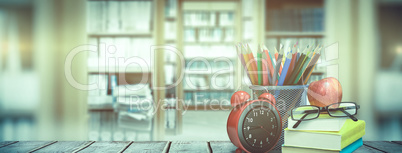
(348, 149)
(327, 140)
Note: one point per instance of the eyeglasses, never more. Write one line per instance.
(309, 112)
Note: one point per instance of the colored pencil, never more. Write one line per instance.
(265, 73)
(310, 67)
(272, 57)
(277, 66)
(259, 65)
(306, 62)
(280, 56)
(269, 60)
(276, 56)
(292, 63)
(296, 69)
(285, 69)
(283, 62)
(253, 64)
(248, 64)
(241, 57)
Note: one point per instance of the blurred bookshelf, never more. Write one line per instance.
(172, 114)
(292, 21)
(209, 34)
(118, 32)
(117, 35)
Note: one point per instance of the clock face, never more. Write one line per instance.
(260, 126)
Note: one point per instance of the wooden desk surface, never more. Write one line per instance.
(158, 146)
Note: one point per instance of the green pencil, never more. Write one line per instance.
(306, 62)
(296, 69)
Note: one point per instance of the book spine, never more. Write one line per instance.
(351, 139)
(353, 135)
(352, 147)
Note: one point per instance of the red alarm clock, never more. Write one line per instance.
(254, 126)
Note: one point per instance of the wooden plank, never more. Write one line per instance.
(142, 147)
(6, 143)
(384, 146)
(367, 149)
(222, 147)
(25, 146)
(64, 146)
(189, 146)
(106, 146)
(397, 142)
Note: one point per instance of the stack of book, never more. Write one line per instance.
(99, 98)
(133, 98)
(324, 135)
(134, 105)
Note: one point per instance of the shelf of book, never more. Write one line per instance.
(294, 22)
(208, 43)
(94, 70)
(209, 34)
(203, 72)
(209, 90)
(121, 34)
(295, 34)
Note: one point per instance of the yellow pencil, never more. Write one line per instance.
(248, 64)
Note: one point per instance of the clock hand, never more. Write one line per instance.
(263, 128)
(255, 127)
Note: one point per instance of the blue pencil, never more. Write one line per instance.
(285, 69)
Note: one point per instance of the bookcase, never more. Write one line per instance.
(210, 31)
(122, 58)
(292, 21)
(118, 36)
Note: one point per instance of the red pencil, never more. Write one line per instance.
(292, 63)
(270, 64)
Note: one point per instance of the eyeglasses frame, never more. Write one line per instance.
(321, 109)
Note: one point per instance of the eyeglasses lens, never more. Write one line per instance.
(341, 109)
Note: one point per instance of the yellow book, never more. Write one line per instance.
(328, 140)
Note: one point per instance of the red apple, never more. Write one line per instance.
(324, 92)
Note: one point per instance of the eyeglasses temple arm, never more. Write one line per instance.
(349, 115)
(299, 121)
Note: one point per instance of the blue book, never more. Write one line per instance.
(352, 147)
(348, 149)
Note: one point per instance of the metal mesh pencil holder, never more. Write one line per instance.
(287, 98)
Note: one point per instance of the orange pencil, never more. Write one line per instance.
(276, 55)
